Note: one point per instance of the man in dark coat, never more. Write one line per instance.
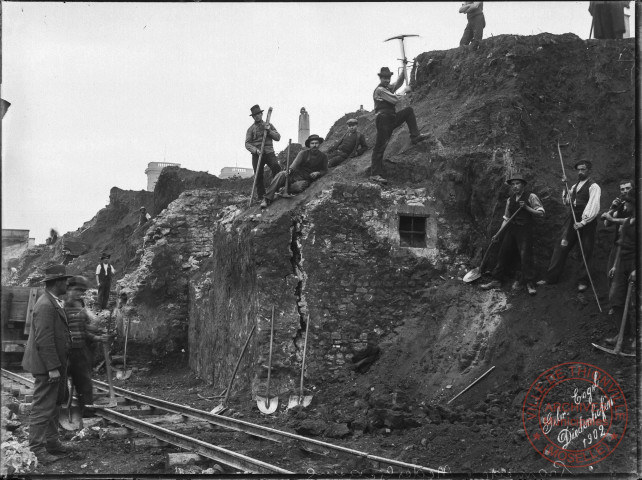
(388, 119)
(45, 358)
(351, 145)
(104, 275)
(474, 31)
(308, 166)
(608, 18)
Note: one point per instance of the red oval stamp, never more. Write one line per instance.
(575, 414)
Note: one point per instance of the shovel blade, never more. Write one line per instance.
(472, 275)
(218, 409)
(71, 419)
(267, 405)
(299, 400)
(123, 374)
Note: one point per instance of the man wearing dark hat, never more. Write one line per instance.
(308, 166)
(82, 332)
(45, 358)
(144, 217)
(104, 274)
(584, 200)
(388, 119)
(253, 140)
(518, 235)
(351, 145)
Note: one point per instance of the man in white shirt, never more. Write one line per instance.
(584, 199)
(104, 274)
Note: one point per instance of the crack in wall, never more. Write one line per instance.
(296, 260)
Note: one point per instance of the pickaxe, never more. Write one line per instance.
(404, 60)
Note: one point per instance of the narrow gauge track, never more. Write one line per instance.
(129, 401)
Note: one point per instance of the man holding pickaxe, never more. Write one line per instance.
(521, 209)
(254, 139)
(388, 119)
(584, 201)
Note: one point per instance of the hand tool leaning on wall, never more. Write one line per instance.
(111, 403)
(285, 193)
(476, 273)
(266, 404)
(300, 399)
(620, 338)
(258, 162)
(221, 407)
(579, 237)
(125, 373)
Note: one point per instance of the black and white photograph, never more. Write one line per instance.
(320, 240)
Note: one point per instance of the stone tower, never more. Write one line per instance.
(304, 126)
(153, 171)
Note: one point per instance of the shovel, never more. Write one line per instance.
(125, 373)
(475, 273)
(266, 404)
(221, 407)
(300, 399)
(71, 416)
(111, 403)
(620, 337)
(286, 192)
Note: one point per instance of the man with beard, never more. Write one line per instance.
(518, 235)
(584, 200)
(253, 141)
(308, 166)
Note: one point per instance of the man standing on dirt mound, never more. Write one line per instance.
(104, 274)
(474, 31)
(253, 142)
(518, 234)
(584, 200)
(388, 119)
(45, 358)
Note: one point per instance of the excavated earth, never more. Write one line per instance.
(503, 107)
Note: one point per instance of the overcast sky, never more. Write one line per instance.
(99, 90)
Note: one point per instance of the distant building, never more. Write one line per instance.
(153, 171)
(227, 172)
(304, 126)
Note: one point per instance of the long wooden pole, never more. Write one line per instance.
(258, 163)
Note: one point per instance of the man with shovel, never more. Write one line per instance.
(46, 358)
(623, 269)
(83, 332)
(253, 142)
(388, 119)
(519, 234)
(308, 166)
(584, 201)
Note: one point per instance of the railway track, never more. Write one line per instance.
(141, 413)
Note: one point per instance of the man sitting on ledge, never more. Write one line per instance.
(308, 166)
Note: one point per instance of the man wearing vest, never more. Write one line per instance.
(584, 199)
(45, 357)
(616, 215)
(388, 119)
(518, 235)
(104, 273)
(308, 166)
(474, 30)
(144, 217)
(253, 141)
(351, 145)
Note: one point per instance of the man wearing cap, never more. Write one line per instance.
(253, 141)
(518, 235)
(388, 119)
(584, 201)
(82, 332)
(308, 166)
(45, 358)
(623, 270)
(104, 274)
(144, 217)
(351, 145)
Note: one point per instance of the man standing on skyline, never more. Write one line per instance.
(253, 141)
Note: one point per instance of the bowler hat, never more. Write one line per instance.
(105, 255)
(385, 72)
(78, 282)
(314, 136)
(55, 272)
(516, 176)
(255, 109)
(352, 121)
(588, 164)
